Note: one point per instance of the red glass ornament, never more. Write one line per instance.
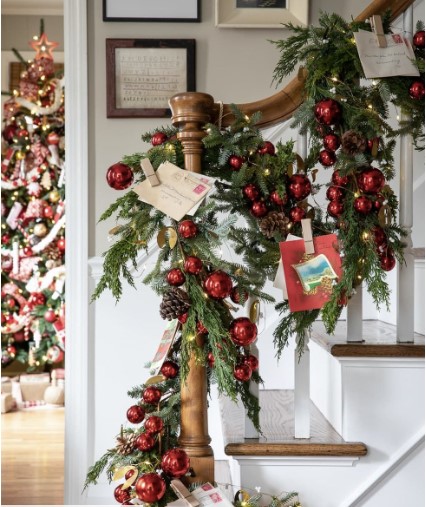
(299, 187)
(5, 239)
(243, 331)
(297, 214)
(387, 261)
(210, 359)
(252, 361)
(335, 208)
(258, 209)
(48, 211)
(276, 199)
(19, 336)
(11, 350)
(22, 133)
(267, 148)
(37, 298)
(201, 329)
(50, 315)
(373, 143)
(327, 112)
(121, 495)
(331, 142)
(10, 302)
(183, 318)
(54, 354)
(61, 244)
(236, 298)
(169, 369)
(371, 180)
(188, 229)
(53, 138)
(145, 442)
(135, 414)
(27, 251)
(242, 372)
(154, 424)
(218, 285)
(339, 180)
(251, 191)
(363, 205)
(379, 200)
(419, 39)
(327, 158)
(175, 462)
(379, 235)
(9, 132)
(193, 265)
(175, 277)
(417, 90)
(150, 487)
(152, 395)
(236, 162)
(335, 193)
(158, 138)
(343, 299)
(119, 176)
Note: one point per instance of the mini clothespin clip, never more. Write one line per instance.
(149, 172)
(183, 493)
(377, 26)
(307, 236)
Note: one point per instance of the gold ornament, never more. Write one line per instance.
(20, 155)
(40, 230)
(167, 234)
(54, 196)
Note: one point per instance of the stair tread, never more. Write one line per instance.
(379, 341)
(277, 423)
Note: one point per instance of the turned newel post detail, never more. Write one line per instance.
(190, 112)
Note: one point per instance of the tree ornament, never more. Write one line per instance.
(37, 299)
(201, 329)
(353, 143)
(54, 196)
(243, 372)
(154, 424)
(258, 209)
(299, 187)
(54, 354)
(327, 112)
(175, 277)
(193, 265)
(236, 297)
(50, 315)
(181, 318)
(121, 495)
(335, 208)
(373, 145)
(210, 359)
(170, 369)
(119, 176)
(267, 148)
(9, 132)
(61, 244)
(152, 395)
(236, 162)
(297, 214)
(218, 285)
(175, 462)
(274, 222)
(188, 229)
(378, 202)
(150, 487)
(5, 239)
(53, 138)
(419, 39)
(276, 199)
(327, 158)
(371, 180)
(335, 193)
(339, 180)
(126, 443)
(27, 251)
(135, 414)
(363, 205)
(252, 361)
(331, 142)
(243, 331)
(379, 235)
(11, 350)
(158, 138)
(417, 90)
(251, 191)
(48, 211)
(145, 442)
(387, 261)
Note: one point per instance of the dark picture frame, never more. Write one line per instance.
(142, 75)
(177, 11)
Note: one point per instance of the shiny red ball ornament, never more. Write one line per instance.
(267, 148)
(275, 198)
(145, 442)
(188, 229)
(236, 298)
(201, 328)
(299, 187)
(11, 350)
(373, 142)
(251, 191)
(22, 133)
(335, 208)
(36, 299)
(150, 487)
(135, 414)
(50, 315)
(53, 138)
(210, 359)
(27, 251)
(243, 372)
(327, 158)
(175, 462)
(48, 211)
(119, 176)
(158, 138)
(61, 244)
(243, 331)
(154, 424)
(170, 369)
(175, 277)
(193, 265)
(183, 318)
(331, 142)
(363, 205)
(335, 193)
(379, 235)
(297, 214)
(371, 180)
(19, 337)
(9, 132)
(258, 209)
(378, 202)
(252, 361)
(419, 39)
(5, 239)
(327, 112)
(121, 495)
(387, 261)
(218, 285)
(236, 162)
(339, 180)
(152, 395)
(417, 90)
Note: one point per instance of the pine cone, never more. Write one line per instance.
(175, 303)
(126, 443)
(275, 221)
(353, 143)
(52, 252)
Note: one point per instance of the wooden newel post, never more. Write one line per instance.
(190, 112)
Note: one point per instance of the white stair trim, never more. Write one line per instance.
(381, 362)
(332, 461)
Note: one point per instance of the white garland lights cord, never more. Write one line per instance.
(39, 110)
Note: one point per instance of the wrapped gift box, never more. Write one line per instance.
(33, 386)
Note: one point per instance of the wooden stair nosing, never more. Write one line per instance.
(253, 448)
(369, 350)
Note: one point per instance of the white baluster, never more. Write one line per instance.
(249, 430)
(354, 317)
(405, 273)
(302, 419)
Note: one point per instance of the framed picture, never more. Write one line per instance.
(142, 75)
(261, 13)
(152, 10)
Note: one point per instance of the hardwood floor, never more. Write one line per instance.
(32, 462)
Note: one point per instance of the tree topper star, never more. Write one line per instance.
(43, 47)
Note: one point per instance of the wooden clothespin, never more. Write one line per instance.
(307, 236)
(149, 172)
(183, 493)
(377, 26)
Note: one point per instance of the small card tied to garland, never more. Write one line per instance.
(164, 346)
(311, 268)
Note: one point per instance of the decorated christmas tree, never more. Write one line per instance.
(33, 213)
